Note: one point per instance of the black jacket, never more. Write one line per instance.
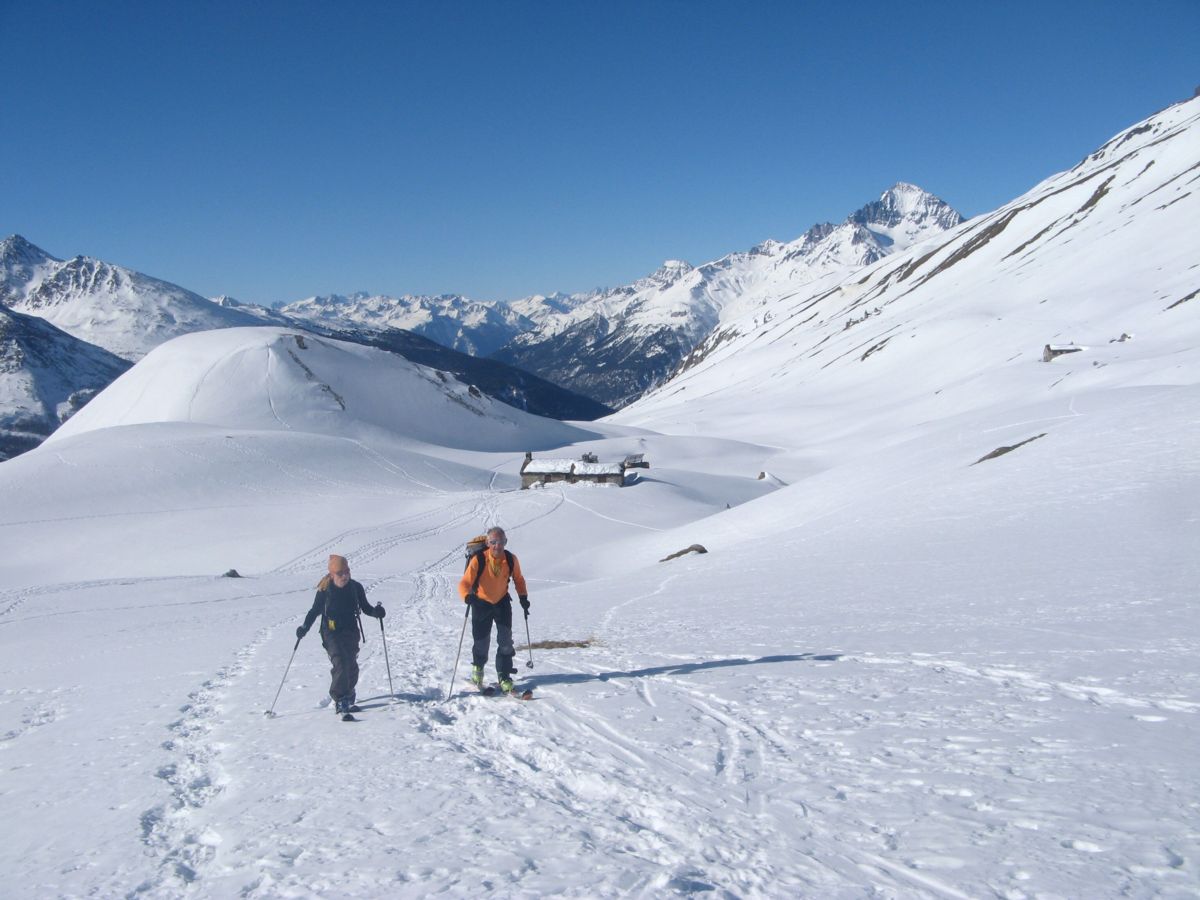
(338, 606)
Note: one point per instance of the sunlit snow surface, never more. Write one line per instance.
(898, 671)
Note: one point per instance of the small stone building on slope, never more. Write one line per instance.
(574, 471)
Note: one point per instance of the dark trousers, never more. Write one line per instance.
(342, 647)
(483, 614)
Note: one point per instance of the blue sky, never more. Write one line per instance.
(274, 150)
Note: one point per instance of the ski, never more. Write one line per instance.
(348, 717)
(493, 690)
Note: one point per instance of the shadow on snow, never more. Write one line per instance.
(681, 668)
(537, 681)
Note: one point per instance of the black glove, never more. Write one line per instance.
(471, 599)
(525, 602)
(301, 631)
(380, 612)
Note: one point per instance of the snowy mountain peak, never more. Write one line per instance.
(905, 214)
(769, 247)
(666, 275)
(16, 249)
(22, 266)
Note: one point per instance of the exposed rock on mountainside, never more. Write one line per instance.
(45, 377)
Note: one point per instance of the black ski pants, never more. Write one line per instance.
(483, 614)
(342, 647)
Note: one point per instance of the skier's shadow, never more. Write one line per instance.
(681, 668)
(382, 700)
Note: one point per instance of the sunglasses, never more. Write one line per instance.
(496, 543)
(341, 574)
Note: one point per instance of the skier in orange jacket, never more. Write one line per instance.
(484, 586)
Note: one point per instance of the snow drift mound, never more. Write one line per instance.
(281, 379)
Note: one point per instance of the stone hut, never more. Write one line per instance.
(571, 471)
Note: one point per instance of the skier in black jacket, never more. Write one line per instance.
(338, 601)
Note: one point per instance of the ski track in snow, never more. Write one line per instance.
(365, 545)
(573, 502)
(1029, 686)
(37, 711)
(195, 776)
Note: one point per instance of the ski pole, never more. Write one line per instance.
(528, 642)
(271, 712)
(458, 655)
(383, 637)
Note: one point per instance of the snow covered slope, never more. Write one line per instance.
(279, 379)
(123, 311)
(1102, 256)
(909, 677)
(45, 377)
(618, 344)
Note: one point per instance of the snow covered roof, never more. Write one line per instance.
(564, 467)
(598, 468)
(549, 466)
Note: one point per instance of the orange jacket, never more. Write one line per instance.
(493, 583)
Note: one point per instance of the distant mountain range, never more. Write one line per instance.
(834, 294)
(470, 326)
(570, 356)
(615, 344)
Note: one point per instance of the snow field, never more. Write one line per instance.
(912, 677)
